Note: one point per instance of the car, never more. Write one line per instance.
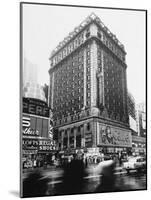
(135, 163)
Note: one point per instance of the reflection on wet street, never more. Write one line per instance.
(77, 180)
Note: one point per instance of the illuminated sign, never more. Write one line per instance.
(35, 107)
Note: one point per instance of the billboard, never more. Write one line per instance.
(35, 126)
(114, 136)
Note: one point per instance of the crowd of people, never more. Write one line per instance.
(73, 178)
(60, 160)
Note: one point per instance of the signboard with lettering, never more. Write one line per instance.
(28, 128)
(111, 136)
(35, 107)
(35, 126)
(46, 145)
(30, 144)
(38, 144)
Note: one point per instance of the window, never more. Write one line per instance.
(88, 103)
(99, 35)
(88, 61)
(88, 94)
(88, 126)
(88, 85)
(72, 94)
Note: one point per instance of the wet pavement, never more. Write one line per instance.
(91, 182)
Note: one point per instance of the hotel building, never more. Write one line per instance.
(88, 90)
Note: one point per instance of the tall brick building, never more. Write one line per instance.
(88, 90)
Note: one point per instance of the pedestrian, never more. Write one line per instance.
(73, 178)
(86, 162)
(107, 180)
(35, 185)
(35, 163)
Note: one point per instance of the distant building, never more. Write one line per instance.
(29, 72)
(34, 90)
(141, 119)
(31, 88)
(132, 113)
(37, 124)
(139, 140)
(88, 90)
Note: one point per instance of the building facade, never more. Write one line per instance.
(37, 125)
(141, 119)
(88, 90)
(137, 123)
(132, 114)
(37, 136)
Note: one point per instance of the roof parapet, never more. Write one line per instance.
(89, 19)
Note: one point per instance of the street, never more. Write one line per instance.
(91, 182)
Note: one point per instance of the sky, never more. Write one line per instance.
(45, 26)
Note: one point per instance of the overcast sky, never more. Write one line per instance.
(45, 26)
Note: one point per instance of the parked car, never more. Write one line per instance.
(135, 163)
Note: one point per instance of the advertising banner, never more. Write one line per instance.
(112, 136)
(36, 126)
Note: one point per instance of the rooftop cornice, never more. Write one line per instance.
(91, 18)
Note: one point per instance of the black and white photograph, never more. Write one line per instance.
(83, 99)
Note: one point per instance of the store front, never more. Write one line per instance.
(38, 146)
(138, 145)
